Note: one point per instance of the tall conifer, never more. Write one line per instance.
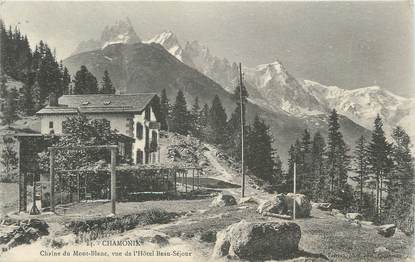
(180, 122)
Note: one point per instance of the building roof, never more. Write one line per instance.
(100, 103)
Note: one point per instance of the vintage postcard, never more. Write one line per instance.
(207, 131)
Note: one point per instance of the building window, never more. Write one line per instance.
(50, 124)
(139, 156)
(139, 130)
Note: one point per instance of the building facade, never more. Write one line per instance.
(132, 115)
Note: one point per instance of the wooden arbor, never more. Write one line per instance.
(54, 149)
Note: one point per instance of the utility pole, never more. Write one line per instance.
(242, 128)
(295, 178)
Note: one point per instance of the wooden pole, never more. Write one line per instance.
(193, 181)
(113, 179)
(60, 187)
(21, 179)
(52, 179)
(185, 173)
(295, 178)
(242, 129)
(79, 185)
(198, 179)
(175, 181)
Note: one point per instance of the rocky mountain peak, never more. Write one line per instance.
(121, 31)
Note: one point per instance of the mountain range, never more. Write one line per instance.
(287, 104)
(273, 87)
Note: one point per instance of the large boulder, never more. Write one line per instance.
(276, 205)
(222, 200)
(387, 230)
(257, 240)
(354, 216)
(246, 200)
(302, 204)
(283, 205)
(323, 206)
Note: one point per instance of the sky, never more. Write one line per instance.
(347, 44)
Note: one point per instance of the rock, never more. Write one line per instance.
(160, 240)
(275, 205)
(222, 200)
(186, 235)
(323, 206)
(387, 230)
(366, 223)
(334, 212)
(382, 251)
(339, 215)
(354, 216)
(208, 236)
(257, 240)
(41, 225)
(302, 204)
(283, 205)
(355, 223)
(246, 200)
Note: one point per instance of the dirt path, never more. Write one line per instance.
(224, 173)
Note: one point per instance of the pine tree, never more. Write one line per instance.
(401, 188)
(260, 159)
(107, 86)
(338, 162)
(195, 117)
(234, 127)
(305, 180)
(380, 161)
(320, 191)
(9, 113)
(27, 105)
(180, 122)
(164, 110)
(333, 139)
(361, 167)
(205, 130)
(66, 81)
(204, 115)
(217, 122)
(85, 82)
(48, 74)
(37, 102)
(3, 87)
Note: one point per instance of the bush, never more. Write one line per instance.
(104, 226)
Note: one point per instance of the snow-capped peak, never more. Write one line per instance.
(170, 42)
(121, 32)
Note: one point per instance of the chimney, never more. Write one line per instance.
(53, 100)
